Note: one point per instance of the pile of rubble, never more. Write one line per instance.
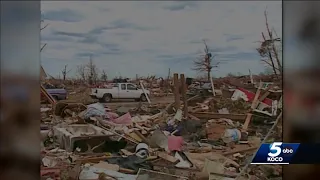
(212, 138)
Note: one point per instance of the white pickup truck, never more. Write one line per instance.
(119, 91)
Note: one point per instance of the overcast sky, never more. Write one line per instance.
(130, 38)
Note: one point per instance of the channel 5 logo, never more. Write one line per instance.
(275, 149)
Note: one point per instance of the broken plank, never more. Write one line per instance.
(207, 115)
(94, 159)
(144, 139)
(47, 95)
(127, 171)
(145, 94)
(266, 93)
(247, 121)
(254, 105)
(256, 97)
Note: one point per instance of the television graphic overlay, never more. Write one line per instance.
(275, 153)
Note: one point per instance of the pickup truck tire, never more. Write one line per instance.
(55, 97)
(143, 98)
(137, 100)
(107, 98)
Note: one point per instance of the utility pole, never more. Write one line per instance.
(176, 91)
(168, 82)
(183, 86)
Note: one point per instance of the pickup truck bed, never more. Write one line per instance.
(58, 94)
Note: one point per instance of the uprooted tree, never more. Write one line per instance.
(270, 48)
(205, 62)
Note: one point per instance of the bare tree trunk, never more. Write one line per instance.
(273, 65)
(277, 57)
(93, 72)
(65, 72)
(208, 75)
(270, 57)
(273, 45)
(205, 63)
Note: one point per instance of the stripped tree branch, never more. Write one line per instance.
(204, 63)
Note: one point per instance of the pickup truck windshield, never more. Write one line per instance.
(128, 87)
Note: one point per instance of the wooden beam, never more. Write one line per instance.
(184, 95)
(266, 93)
(47, 95)
(207, 115)
(176, 91)
(212, 87)
(254, 105)
(144, 92)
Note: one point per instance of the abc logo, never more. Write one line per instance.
(287, 150)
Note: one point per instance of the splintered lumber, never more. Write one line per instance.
(144, 139)
(47, 95)
(267, 92)
(256, 97)
(144, 92)
(253, 106)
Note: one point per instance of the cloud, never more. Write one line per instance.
(231, 37)
(124, 24)
(223, 49)
(84, 54)
(178, 6)
(99, 30)
(240, 56)
(60, 33)
(66, 15)
(149, 37)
